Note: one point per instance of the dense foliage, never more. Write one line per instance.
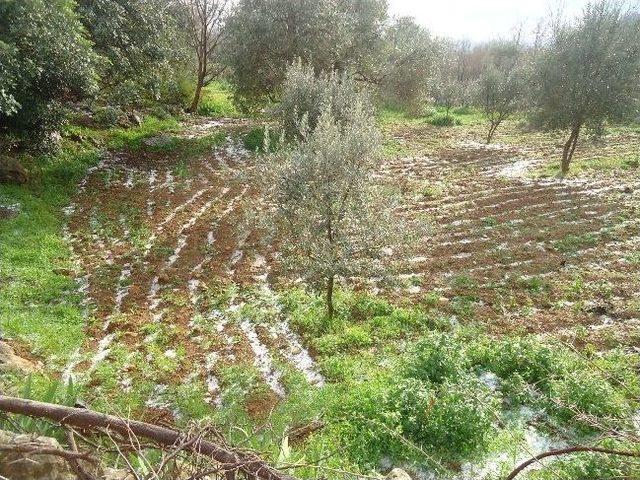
(47, 61)
(136, 43)
(305, 95)
(266, 36)
(326, 206)
(409, 57)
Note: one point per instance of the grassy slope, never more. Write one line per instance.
(39, 303)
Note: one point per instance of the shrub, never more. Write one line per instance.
(444, 120)
(367, 422)
(107, 116)
(410, 58)
(49, 62)
(437, 358)
(535, 362)
(305, 95)
(588, 393)
(587, 466)
(455, 417)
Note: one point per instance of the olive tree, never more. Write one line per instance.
(329, 219)
(446, 89)
(266, 36)
(588, 73)
(501, 86)
(46, 61)
(305, 95)
(407, 66)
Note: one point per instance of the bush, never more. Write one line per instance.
(454, 418)
(588, 393)
(367, 421)
(587, 466)
(305, 95)
(108, 116)
(49, 62)
(444, 120)
(437, 358)
(535, 362)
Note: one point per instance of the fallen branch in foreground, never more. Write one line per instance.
(565, 451)
(39, 450)
(228, 459)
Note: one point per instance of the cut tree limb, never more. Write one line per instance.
(565, 451)
(228, 458)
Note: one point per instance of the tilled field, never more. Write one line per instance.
(154, 237)
(151, 240)
(519, 252)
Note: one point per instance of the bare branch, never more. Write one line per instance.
(565, 451)
(164, 437)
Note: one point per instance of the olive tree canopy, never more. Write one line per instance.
(266, 36)
(588, 74)
(501, 86)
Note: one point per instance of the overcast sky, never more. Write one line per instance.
(479, 20)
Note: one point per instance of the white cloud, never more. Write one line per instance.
(479, 20)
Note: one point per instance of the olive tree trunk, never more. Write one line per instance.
(329, 296)
(570, 148)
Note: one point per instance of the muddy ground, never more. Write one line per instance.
(155, 235)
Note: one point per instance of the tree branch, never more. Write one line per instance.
(163, 437)
(565, 451)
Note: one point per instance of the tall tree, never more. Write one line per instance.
(206, 21)
(266, 36)
(500, 88)
(409, 58)
(588, 73)
(447, 90)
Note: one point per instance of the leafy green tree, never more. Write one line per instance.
(266, 36)
(48, 61)
(8, 69)
(330, 221)
(588, 74)
(139, 42)
(408, 64)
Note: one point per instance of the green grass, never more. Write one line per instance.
(460, 116)
(38, 303)
(580, 166)
(217, 101)
(254, 141)
(123, 138)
